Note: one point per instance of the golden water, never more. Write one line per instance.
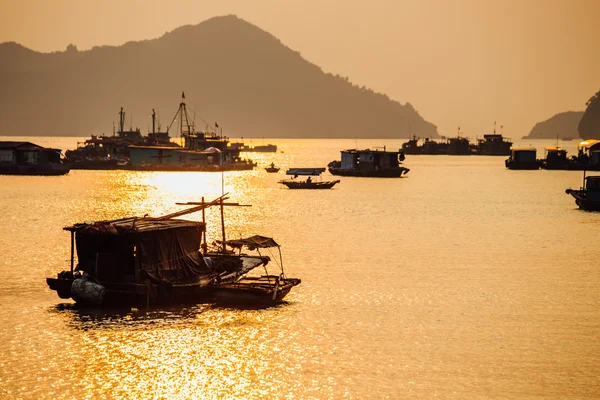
(463, 280)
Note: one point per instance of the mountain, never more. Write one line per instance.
(231, 71)
(589, 126)
(561, 125)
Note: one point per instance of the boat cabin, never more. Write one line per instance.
(371, 160)
(18, 153)
(133, 250)
(592, 183)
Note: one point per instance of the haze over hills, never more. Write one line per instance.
(231, 71)
(559, 126)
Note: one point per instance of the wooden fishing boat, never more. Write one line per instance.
(272, 168)
(308, 183)
(588, 196)
(242, 287)
(143, 261)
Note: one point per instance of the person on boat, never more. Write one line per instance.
(272, 165)
(308, 180)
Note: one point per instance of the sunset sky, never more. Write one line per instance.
(462, 63)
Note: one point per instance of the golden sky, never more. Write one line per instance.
(462, 63)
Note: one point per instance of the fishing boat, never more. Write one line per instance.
(308, 183)
(522, 159)
(272, 168)
(493, 144)
(588, 196)
(163, 260)
(243, 287)
(369, 163)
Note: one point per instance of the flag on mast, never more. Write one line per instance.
(216, 125)
(183, 95)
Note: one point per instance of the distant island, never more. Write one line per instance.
(232, 73)
(571, 124)
(562, 125)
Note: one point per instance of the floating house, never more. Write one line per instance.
(26, 158)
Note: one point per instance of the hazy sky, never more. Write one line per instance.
(459, 62)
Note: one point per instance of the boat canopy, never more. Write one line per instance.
(253, 242)
(554, 148)
(305, 171)
(588, 144)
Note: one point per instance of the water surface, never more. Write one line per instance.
(462, 280)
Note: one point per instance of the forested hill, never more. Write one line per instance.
(232, 73)
(559, 126)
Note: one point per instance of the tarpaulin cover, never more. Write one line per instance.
(253, 242)
(173, 255)
(167, 254)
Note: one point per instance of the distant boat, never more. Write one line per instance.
(26, 158)
(369, 163)
(293, 183)
(587, 197)
(272, 168)
(522, 159)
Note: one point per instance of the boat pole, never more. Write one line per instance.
(72, 250)
(204, 245)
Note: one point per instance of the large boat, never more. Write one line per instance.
(112, 152)
(588, 196)
(369, 163)
(429, 146)
(144, 261)
(308, 183)
(26, 158)
(202, 151)
(493, 145)
(524, 158)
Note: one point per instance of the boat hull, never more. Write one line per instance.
(250, 291)
(271, 170)
(310, 185)
(51, 169)
(382, 173)
(135, 294)
(583, 201)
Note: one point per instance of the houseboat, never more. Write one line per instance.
(522, 159)
(308, 183)
(588, 196)
(369, 163)
(26, 158)
(144, 261)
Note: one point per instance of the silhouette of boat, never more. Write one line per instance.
(26, 158)
(272, 168)
(522, 159)
(369, 163)
(493, 145)
(144, 260)
(308, 183)
(588, 196)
